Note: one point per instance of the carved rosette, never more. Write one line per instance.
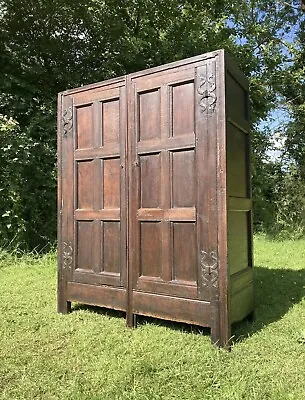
(209, 269)
(67, 121)
(207, 88)
(67, 256)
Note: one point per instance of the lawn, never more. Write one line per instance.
(90, 354)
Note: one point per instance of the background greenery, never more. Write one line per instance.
(47, 46)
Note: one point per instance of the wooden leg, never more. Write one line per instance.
(215, 324)
(226, 338)
(131, 320)
(215, 336)
(221, 337)
(63, 307)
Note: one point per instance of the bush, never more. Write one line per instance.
(27, 186)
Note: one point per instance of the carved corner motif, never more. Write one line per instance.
(67, 255)
(209, 269)
(207, 90)
(67, 121)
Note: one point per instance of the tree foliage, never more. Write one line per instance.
(47, 46)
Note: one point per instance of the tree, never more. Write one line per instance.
(47, 46)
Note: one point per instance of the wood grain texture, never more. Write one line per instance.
(183, 109)
(183, 182)
(239, 241)
(237, 179)
(85, 241)
(173, 308)
(110, 121)
(111, 179)
(84, 120)
(97, 295)
(150, 249)
(85, 185)
(111, 244)
(155, 194)
(184, 252)
(63, 305)
(149, 115)
(94, 179)
(150, 172)
(206, 181)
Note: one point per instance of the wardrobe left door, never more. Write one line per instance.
(92, 198)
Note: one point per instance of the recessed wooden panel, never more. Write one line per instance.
(238, 240)
(236, 100)
(85, 243)
(111, 121)
(112, 183)
(176, 309)
(150, 249)
(111, 247)
(183, 182)
(111, 297)
(149, 115)
(150, 166)
(84, 128)
(184, 251)
(85, 184)
(183, 108)
(236, 162)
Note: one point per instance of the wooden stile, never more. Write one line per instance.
(154, 195)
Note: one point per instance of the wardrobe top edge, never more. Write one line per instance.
(148, 71)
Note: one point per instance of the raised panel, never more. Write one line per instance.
(183, 108)
(84, 127)
(149, 115)
(150, 249)
(85, 184)
(184, 251)
(238, 251)
(111, 121)
(111, 247)
(183, 178)
(112, 183)
(236, 162)
(150, 171)
(85, 243)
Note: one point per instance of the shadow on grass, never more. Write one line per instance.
(143, 320)
(99, 310)
(276, 291)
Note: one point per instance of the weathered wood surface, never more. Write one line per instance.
(154, 194)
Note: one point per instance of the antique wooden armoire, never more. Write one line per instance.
(154, 194)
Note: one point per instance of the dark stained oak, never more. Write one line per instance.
(149, 115)
(184, 252)
(182, 99)
(183, 183)
(154, 195)
(150, 168)
(84, 120)
(175, 308)
(111, 244)
(111, 179)
(92, 180)
(110, 116)
(85, 184)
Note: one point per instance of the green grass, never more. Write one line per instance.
(91, 355)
